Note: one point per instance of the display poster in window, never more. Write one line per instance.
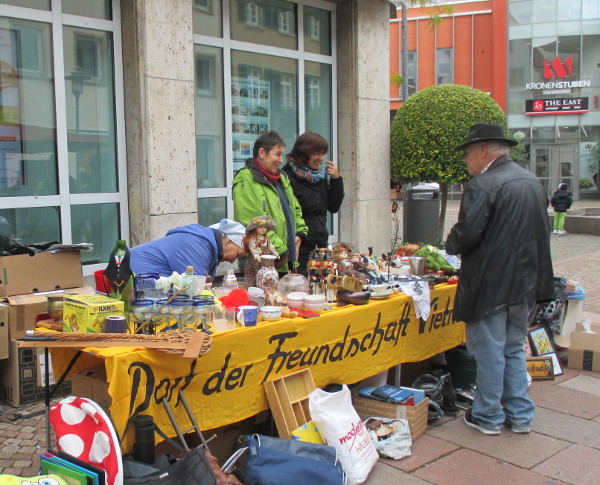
(250, 112)
(11, 166)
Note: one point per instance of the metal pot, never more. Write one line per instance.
(54, 306)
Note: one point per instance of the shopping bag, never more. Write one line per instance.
(340, 427)
(391, 437)
(264, 460)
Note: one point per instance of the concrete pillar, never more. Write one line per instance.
(158, 66)
(364, 123)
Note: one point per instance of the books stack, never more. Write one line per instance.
(404, 396)
(71, 469)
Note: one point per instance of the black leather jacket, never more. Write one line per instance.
(502, 236)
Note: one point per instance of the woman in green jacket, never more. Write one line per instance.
(260, 189)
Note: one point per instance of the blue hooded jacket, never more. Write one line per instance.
(191, 245)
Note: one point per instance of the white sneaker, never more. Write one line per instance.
(561, 231)
(554, 231)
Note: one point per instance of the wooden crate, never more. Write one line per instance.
(288, 399)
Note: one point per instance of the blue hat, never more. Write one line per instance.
(562, 186)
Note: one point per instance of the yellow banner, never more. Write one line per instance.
(344, 345)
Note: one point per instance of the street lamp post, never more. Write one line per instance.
(76, 79)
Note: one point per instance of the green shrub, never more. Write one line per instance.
(428, 127)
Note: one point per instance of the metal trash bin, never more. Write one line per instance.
(421, 214)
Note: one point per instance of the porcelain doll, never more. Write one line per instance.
(257, 244)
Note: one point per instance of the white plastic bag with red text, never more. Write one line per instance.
(339, 425)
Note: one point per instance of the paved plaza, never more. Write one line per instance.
(563, 447)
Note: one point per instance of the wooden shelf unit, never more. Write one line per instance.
(288, 399)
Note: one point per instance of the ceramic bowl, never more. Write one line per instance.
(296, 299)
(320, 298)
(270, 312)
(314, 306)
(379, 289)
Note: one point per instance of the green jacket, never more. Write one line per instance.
(254, 195)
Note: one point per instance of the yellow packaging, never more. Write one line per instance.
(86, 313)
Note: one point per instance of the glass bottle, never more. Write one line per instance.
(120, 275)
(230, 280)
(267, 276)
(189, 281)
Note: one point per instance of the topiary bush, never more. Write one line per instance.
(428, 127)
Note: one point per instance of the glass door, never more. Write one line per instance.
(554, 164)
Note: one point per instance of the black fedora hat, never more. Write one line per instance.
(486, 132)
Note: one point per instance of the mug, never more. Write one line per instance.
(248, 315)
(270, 312)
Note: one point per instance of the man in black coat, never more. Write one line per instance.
(502, 236)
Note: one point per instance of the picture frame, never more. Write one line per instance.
(556, 365)
(540, 340)
(540, 368)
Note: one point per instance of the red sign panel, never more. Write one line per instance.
(556, 106)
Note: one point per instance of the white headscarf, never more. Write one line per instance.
(232, 229)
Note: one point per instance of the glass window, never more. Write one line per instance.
(206, 17)
(31, 225)
(317, 99)
(210, 159)
(263, 97)
(98, 224)
(520, 13)
(570, 10)
(411, 72)
(568, 53)
(544, 11)
(590, 9)
(519, 63)
(544, 53)
(317, 29)
(211, 210)
(98, 9)
(443, 66)
(37, 4)
(590, 54)
(28, 163)
(268, 22)
(89, 89)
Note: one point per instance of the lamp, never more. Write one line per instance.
(77, 77)
(519, 135)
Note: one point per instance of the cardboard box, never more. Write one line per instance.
(415, 415)
(19, 377)
(23, 310)
(91, 383)
(22, 274)
(4, 309)
(584, 350)
(86, 313)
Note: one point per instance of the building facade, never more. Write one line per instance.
(537, 59)
(122, 119)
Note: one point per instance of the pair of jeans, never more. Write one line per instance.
(496, 342)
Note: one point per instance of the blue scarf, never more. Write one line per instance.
(305, 173)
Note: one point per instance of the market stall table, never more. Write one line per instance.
(344, 345)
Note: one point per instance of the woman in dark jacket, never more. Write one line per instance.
(318, 188)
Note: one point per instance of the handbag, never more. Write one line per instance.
(192, 467)
(265, 460)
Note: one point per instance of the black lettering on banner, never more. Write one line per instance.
(137, 368)
(232, 378)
